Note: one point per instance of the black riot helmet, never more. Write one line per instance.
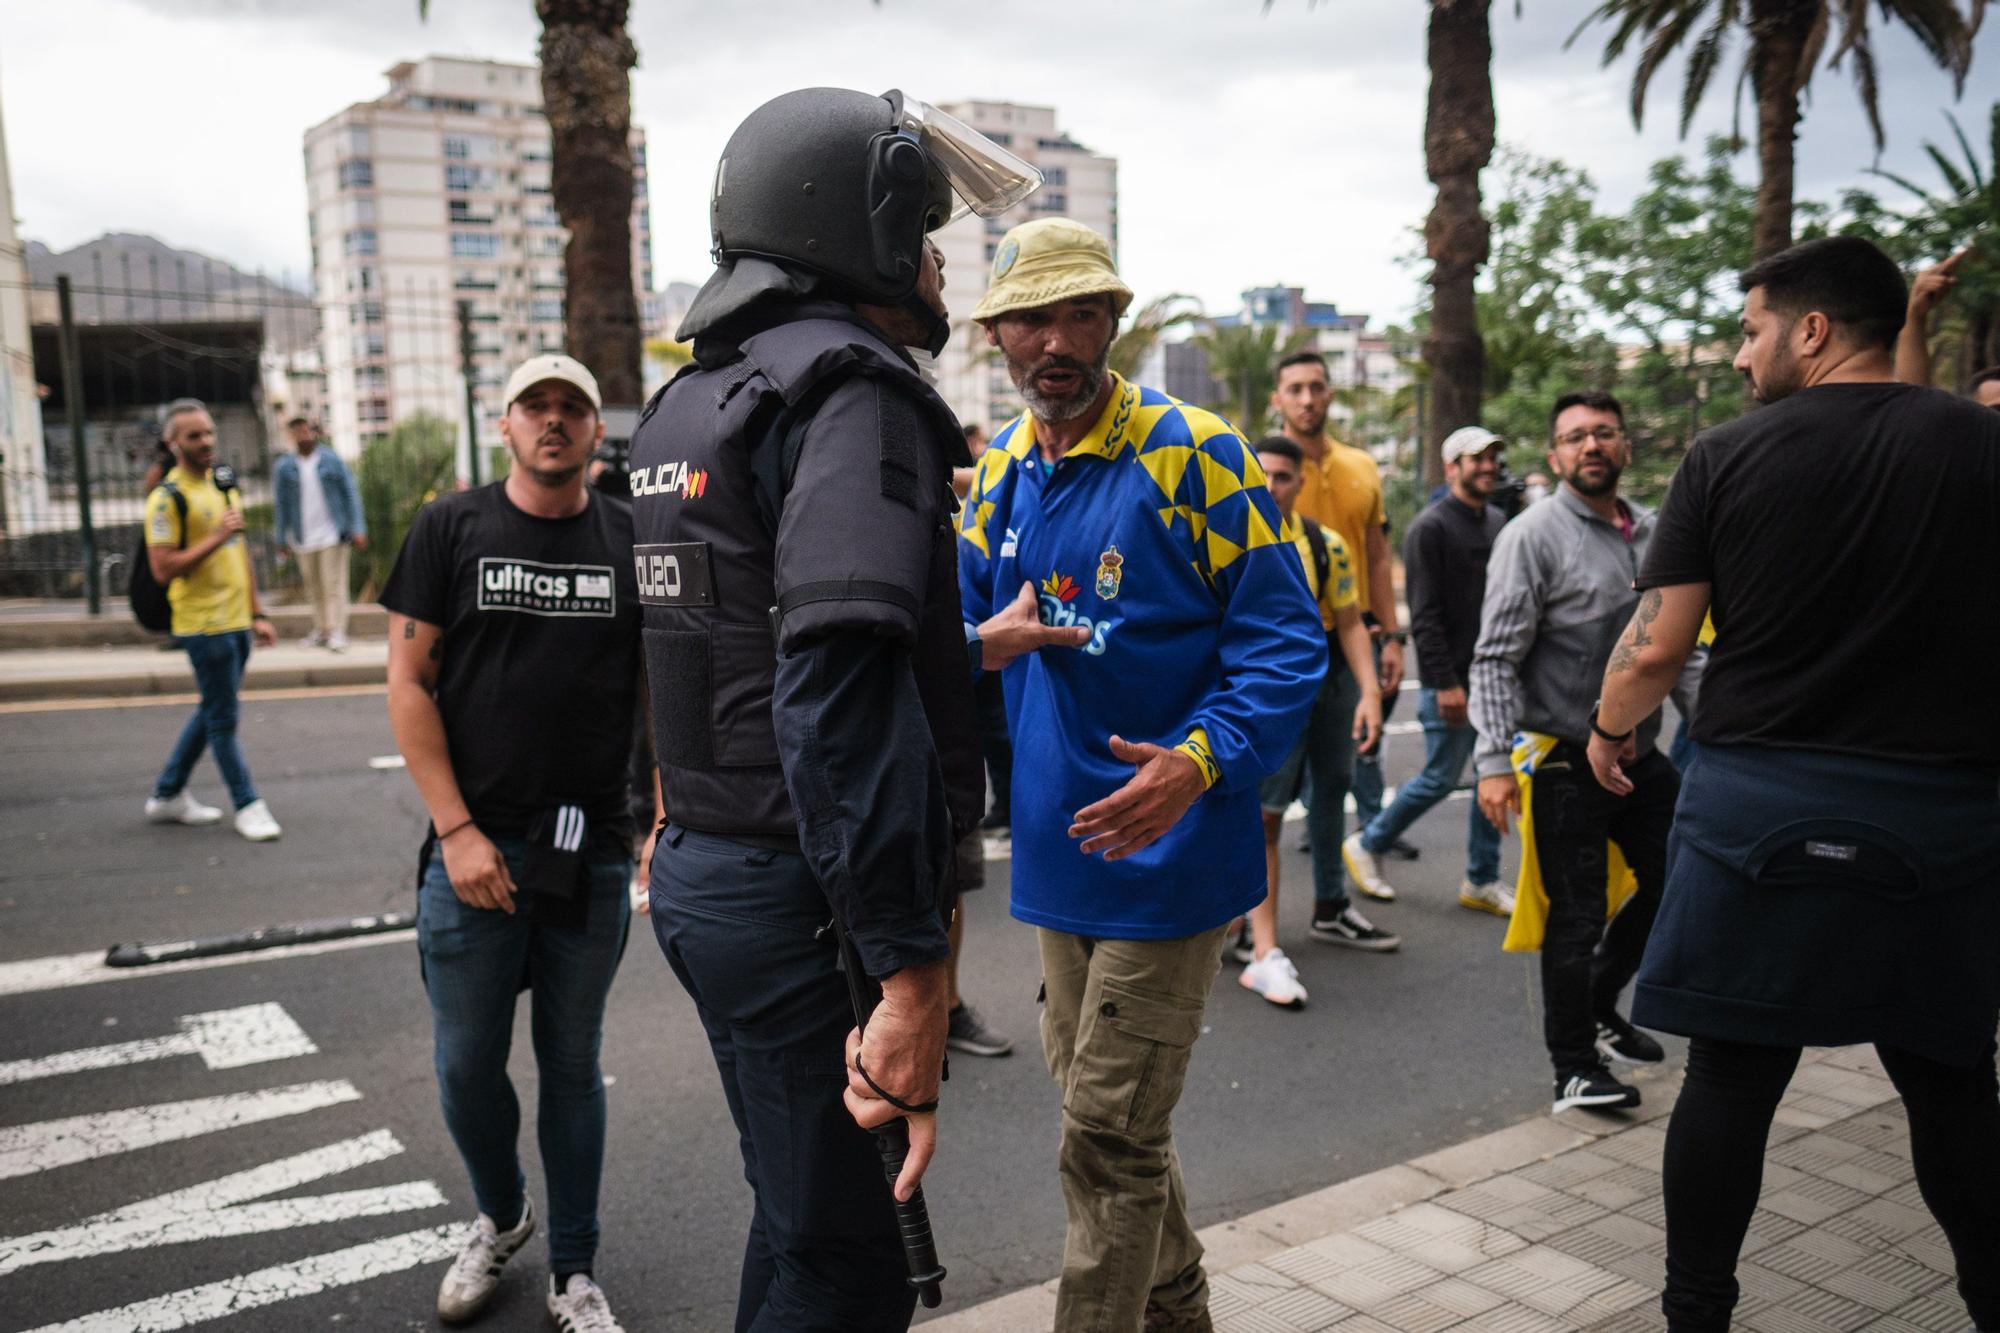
(847, 185)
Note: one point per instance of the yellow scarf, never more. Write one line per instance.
(1531, 900)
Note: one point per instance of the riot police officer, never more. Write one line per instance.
(808, 667)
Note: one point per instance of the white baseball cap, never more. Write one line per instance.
(537, 369)
(1468, 440)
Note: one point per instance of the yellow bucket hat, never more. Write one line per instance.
(1049, 260)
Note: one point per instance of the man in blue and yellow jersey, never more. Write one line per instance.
(1138, 754)
(194, 544)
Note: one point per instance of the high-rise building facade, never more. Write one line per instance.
(1076, 183)
(434, 194)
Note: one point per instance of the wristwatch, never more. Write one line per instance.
(1600, 732)
(1394, 635)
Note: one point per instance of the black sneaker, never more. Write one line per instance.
(1354, 931)
(972, 1037)
(1620, 1041)
(998, 821)
(1403, 850)
(1593, 1088)
(1240, 948)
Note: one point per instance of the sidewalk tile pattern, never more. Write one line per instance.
(1840, 1243)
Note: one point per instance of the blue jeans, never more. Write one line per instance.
(218, 661)
(1446, 751)
(475, 961)
(1367, 784)
(744, 929)
(1329, 744)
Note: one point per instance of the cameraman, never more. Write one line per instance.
(1444, 562)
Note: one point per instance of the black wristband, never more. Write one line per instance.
(918, 1108)
(1601, 733)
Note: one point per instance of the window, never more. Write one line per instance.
(371, 377)
(369, 343)
(539, 310)
(360, 211)
(1001, 137)
(1055, 175)
(357, 174)
(460, 210)
(374, 409)
(1056, 202)
(457, 146)
(358, 141)
(474, 245)
(361, 241)
(550, 243)
(365, 312)
(467, 178)
(544, 216)
(472, 280)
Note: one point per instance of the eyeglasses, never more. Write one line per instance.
(1602, 434)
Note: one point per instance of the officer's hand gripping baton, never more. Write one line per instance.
(892, 1141)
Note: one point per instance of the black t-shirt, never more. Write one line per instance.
(540, 674)
(1851, 533)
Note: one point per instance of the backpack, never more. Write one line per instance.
(1322, 562)
(150, 606)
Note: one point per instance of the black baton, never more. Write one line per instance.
(892, 1141)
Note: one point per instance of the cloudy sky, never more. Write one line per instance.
(1254, 148)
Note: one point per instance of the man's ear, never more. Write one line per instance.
(991, 330)
(1815, 331)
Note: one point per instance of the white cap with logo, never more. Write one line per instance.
(537, 369)
(1467, 440)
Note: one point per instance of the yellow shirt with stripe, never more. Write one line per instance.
(1342, 491)
(214, 596)
(1340, 590)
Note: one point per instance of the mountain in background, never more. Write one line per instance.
(127, 278)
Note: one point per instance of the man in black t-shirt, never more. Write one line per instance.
(1833, 861)
(513, 686)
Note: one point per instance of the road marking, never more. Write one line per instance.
(267, 1286)
(219, 1208)
(388, 762)
(223, 1038)
(59, 971)
(27, 1149)
(250, 695)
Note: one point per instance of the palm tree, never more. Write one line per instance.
(1242, 361)
(1786, 40)
(1458, 141)
(1965, 212)
(587, 60)
(1149, 322)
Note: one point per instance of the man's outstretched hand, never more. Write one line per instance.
(1018, 630)
(1139, 813)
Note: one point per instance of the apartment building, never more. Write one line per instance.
(1076, 183)
(434, 194)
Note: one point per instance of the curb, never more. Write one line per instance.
(171, 677)
(1350, 1203)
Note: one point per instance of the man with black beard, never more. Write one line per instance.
(1558, 590)
(513, 684)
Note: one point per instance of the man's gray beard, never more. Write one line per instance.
(1070, 406)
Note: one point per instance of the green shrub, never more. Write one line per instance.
(398, 476)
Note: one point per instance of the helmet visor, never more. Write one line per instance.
(987, 179)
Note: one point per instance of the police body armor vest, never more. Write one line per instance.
(711, 460)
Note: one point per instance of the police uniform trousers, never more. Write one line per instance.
(744, 928)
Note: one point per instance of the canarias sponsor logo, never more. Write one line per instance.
(1057, 592)
(670, 479)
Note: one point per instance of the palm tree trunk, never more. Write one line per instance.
(1458, 141)
(587, 96)
(1778, 33)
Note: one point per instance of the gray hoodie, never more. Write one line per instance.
(1558, 594)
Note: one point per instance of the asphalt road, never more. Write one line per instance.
(1395, 1056)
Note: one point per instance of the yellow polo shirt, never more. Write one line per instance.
(1342, 491)
(214, 596)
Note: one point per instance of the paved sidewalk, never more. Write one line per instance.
(1556, 1224)
(109, 672)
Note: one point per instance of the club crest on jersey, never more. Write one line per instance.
(669, 479)
(1110, 572)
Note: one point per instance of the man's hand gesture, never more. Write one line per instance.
(903, 1051)
(1500, 799)
(1018, 630)
(1135, 816)
(1931, 287)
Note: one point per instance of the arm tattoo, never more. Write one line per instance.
(437, 649)
(409, 629)
(1626, 655)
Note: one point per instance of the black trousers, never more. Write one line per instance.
(1585, 964)
(1714, 1169)
(995, 744)
(742, 929)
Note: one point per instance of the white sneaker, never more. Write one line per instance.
(181, 808)
(1361, 865)
(316, 639)
(1274, 978)
(580, 1307)
(1495, 897)
(254, 822)
(336, 643)
(475, 1275)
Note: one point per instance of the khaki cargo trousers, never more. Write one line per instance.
(1118, 1021)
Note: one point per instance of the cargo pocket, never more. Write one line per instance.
(1129, 1068)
